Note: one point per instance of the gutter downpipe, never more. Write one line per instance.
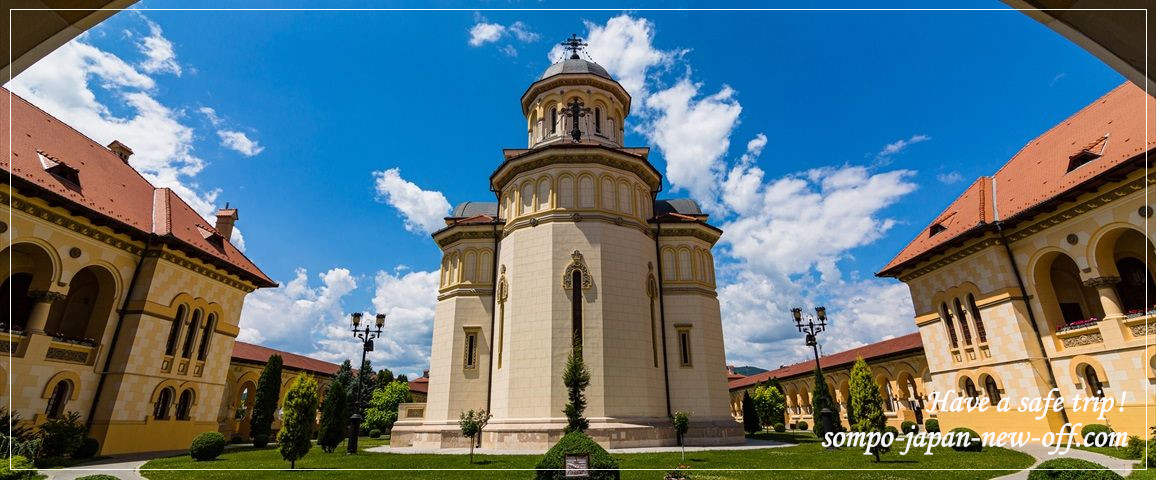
(661, 304)
(493, 310)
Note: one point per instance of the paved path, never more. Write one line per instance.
(752, 444)
(1040, 452)
(124, 467)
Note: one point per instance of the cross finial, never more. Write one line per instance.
(574, 43)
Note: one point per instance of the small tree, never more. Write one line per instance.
(382, 410)
(750, 417)
(296, 436)
(868, 403)
(403, 378)
(820, 399)
(681, 422)
(576, 378)
(770, 405)
(345, 377)
(383, 378)
(472, 423)
(265, 402)
(334, 417)
(365, 374)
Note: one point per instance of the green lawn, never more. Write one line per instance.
(1116, 452)
(806, 454)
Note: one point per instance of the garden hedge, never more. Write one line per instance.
(972, 445)
(207, 446)
(931, 425)
(779, 427)
(1071, 469)
(553, 464)
(802, 425)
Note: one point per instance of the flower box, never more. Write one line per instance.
(1078, 324)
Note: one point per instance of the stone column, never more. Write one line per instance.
(38, 318)
(1109, 301)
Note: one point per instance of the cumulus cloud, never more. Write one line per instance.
(160, 57)
(423, 211)
(949, 178)
(240, 142)
(483, 32)
(523, 33)
(624, 46)
(280, 315)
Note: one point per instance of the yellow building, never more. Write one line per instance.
(245, 367)
(1038, 276)
(124, 302)
(576, 249)
(898, 365)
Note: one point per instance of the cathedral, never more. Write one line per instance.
(577, 250)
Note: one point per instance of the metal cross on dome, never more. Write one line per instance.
(574, 43)
(576, 109)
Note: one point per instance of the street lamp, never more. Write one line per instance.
(810, 328)
(366, 335)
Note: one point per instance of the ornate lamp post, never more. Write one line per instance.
(810, 328)
(366, 335)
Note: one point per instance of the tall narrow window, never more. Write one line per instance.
(576, 308)
(1095, 387)
(969, 388)
(471, 360)
(597, 120)
(175, 330)
(191, 336)
(206, 335)
(553, 120)
(979, 329)
(164, 400)
(992, 389)
(950, 324)
(185, 405)
(888, 396)
(963, 326)
(58, 399)
(684, 355)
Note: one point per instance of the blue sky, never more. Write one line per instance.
(821, 141)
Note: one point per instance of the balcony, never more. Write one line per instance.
(1080, 333)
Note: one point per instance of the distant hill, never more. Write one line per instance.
(749, 370)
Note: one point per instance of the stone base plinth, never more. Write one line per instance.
(540, 436)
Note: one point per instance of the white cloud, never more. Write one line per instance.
(482, 33)
(211, 115)
(280, 315)
(424, 211)
(624, 46)
(949, 178)
(509, 50)
(240, 142)
(901, 145)
(160, 57)
(523, 33)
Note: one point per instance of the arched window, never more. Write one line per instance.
(1095, 387)
(164, 400)
(175, 330)
(14, 292)
(888, 396)
(58, 399)
(979, 329)
(969, 388)
(185, 405)
(597, 120)
(191, 335)
(206, 336)
(1134, 285)
(992, 389)
(576, 307)
(950, 324)
(963, 327)
(553, 120)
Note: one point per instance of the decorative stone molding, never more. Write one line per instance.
(1143, 329)
(65, 222)
(66, 355)
(1085, 339)
(576, 264)
(1102, 281)
(503, 287)
(46, 296)
(467, 235)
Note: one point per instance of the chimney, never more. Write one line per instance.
(226, 217)
(121, 150)
(425, 373)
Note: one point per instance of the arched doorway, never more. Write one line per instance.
(1062, 294)
(244, 402)
(84, 312)
(1126, 253)
(31, 270)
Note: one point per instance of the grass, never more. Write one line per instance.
(806, 454)
(1115, 452)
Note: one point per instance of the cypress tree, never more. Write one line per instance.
(750, 416)
(576, 378)
(364, 375)
(820, 399)
(265, 402)
(867, 402)
(384, 378)
(334, 418)
(296, 436)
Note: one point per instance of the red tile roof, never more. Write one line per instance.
(1112, 127)
(249, 352)
(110, 190)
(419, 385)
(907, 343)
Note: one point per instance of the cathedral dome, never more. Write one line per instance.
(576, 66)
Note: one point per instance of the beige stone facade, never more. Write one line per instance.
(576, 248)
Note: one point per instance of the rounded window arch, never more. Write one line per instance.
(191, 334)
(949, 323)
(185, 404)
(991, 389)
(206, 336)
(1092, 382)
(969, 389)
(58, 399)
(980, 330)
(175, 329)
(963, 326)
(163, 403)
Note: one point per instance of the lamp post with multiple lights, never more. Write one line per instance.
(366, 335)
(811, 329)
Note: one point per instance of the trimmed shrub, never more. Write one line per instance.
(236, 439)
(1135, 447)
(909, 427)
(207, 446)
(891, 430)
(931, 425)
(1093, 429)
(261, 440)
(1071, 469)
(553, 464)
(375, 433)
(972, 444)
(802, 425)
(88, 448)
(102, 476)
(779, 427)
(16, 472)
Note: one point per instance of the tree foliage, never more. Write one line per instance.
(334, 418)
(770, 405)
(471, 423)
(382, 410)
(383, 378)
(821, 398)
(366, 375)
(296, 436)
(265, 402)
(867, 402)
(751, 422)
(576, 378)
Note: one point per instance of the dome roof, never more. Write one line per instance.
(577, 66)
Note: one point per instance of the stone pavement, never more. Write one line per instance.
(1040, 452)
(124, 467)
(752, 444)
